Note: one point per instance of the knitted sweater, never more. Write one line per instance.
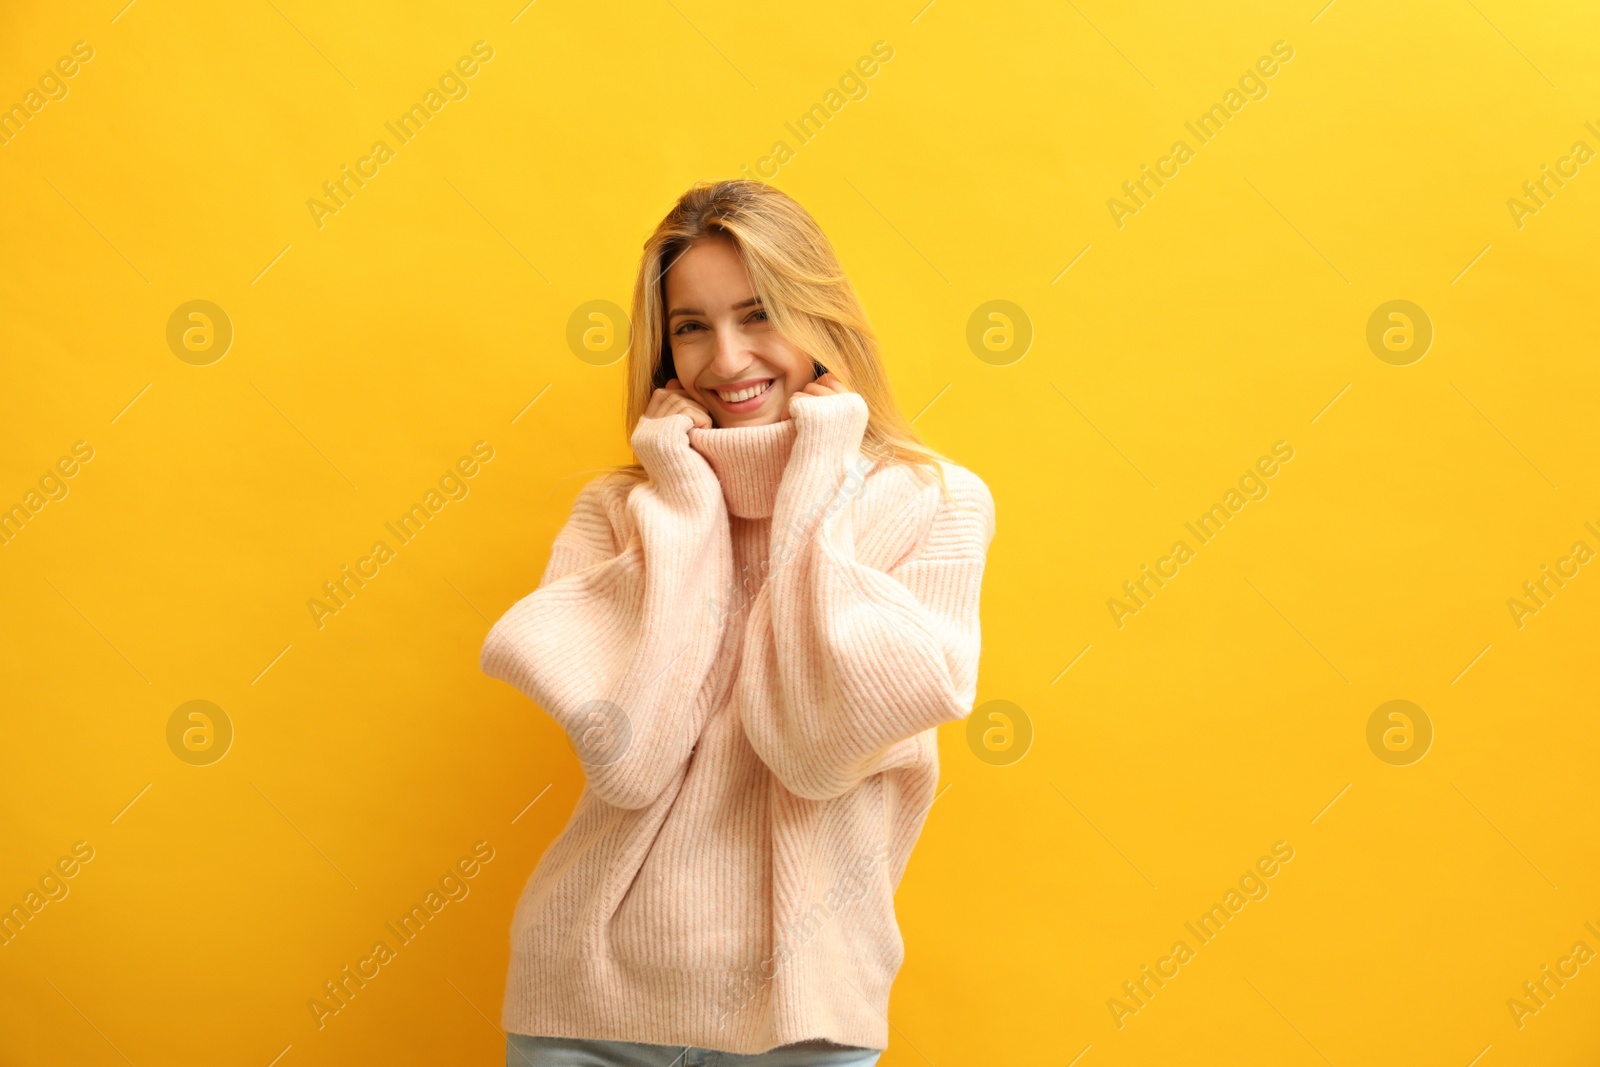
(749, 651)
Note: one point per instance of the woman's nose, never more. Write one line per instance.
(732, 351)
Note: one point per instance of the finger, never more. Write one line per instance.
(679, 405)
(701, 417)
(690, 402)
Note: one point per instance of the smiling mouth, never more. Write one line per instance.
(747, 393)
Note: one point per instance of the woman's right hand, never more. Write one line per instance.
(662, 444)
(672, 399)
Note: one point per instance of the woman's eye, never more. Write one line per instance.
(761, 314)
(684, 327)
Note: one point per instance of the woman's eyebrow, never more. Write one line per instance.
(675, 312)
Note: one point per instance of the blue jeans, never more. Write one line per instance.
(525, 1051)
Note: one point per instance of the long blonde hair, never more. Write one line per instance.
(803, 289)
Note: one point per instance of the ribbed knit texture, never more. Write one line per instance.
(750, 652)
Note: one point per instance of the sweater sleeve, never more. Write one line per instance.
(848, 663)
(617, 642)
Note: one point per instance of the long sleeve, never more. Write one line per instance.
(848, 663)
(617, 642)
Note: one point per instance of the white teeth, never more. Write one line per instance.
(745, 394)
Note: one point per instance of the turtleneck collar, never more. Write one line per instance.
(749, 461)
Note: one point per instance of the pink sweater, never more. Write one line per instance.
(750, 653)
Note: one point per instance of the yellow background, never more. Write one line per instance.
(1227, 314)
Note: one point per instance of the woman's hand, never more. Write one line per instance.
(824, 385)
(672, 399)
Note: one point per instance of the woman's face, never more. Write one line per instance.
(721, 342)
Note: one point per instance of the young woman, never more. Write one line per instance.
(750, 637)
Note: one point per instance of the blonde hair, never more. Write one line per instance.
(802, 288)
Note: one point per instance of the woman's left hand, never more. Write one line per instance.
(825, 385)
